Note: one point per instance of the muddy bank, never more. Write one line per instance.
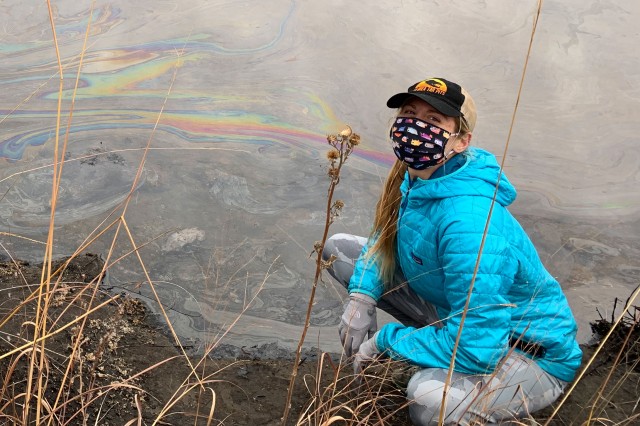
(127, 367)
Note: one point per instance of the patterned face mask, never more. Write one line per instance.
(417, 143)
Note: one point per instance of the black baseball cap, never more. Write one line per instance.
(444, 95)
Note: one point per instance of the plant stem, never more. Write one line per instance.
(307, 320)
(344, 145)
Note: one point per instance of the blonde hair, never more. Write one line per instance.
(385, 222)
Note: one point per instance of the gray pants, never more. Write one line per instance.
(517, 388)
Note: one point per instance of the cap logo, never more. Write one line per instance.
(432, 85)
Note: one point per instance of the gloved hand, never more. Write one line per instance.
(358, 322)
(368, 352)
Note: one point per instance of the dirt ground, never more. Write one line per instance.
(111, 382)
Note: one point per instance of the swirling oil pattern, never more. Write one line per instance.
(192, 126)
(248, 92)
(132, 71)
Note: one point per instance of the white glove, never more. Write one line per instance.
(368, 352)
(358, 322)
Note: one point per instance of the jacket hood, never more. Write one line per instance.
(477, 176)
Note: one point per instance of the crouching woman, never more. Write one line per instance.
(458, 273)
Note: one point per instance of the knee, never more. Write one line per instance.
(345, 249)
(330, 246)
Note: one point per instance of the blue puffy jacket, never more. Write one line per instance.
(440, 228)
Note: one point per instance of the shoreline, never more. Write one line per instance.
(250, 382)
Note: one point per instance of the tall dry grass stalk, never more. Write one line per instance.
(44, 288)
(342, 146)
(486, 228)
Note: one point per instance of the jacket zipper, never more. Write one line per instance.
(405, 201)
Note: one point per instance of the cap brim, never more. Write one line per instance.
(397, 100)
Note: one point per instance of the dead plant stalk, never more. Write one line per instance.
(342, 146)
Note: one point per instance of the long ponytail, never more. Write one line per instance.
(385, 223)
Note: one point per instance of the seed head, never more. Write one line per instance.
(346, 132)
(333, 154)
(354, 139)
(332, 139)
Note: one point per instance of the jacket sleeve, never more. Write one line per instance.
(366, 274)
(485, 333)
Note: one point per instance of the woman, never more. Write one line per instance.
(516, 347)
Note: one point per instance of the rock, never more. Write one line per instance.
(179, 239)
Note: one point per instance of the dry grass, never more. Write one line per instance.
(374, 396)
(44, 311)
